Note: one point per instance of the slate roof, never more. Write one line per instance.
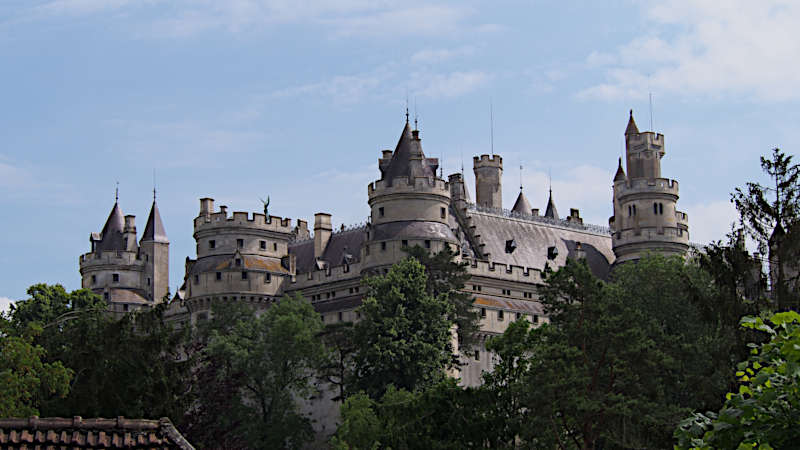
(412, 229)
(620, 175)
(523, 306)
(408, 160)
(154, 230)
(111, 236)
(78, 433)
(533, 238)
(631, 128)
(551, 212)
(340, 304)
(522, 205)
(340, 244)
(126, 296)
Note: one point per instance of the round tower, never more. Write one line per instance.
(409, 205)
(239, 257)
(488, 180)
(646, 217)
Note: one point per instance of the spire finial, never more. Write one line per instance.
(406, 105)
(116, 193)
(416, 127)
(520, 177)
(550, 178)
(631, 113)
(154, 185)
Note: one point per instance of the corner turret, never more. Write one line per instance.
(488, 181)
(645, 205)
(155, 247)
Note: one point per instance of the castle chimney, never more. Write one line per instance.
(322, 233)
(130, 223)
(224, 210)
(458, 191)
(386, 154)
(206, 206)
(129, 233)
(488, 180)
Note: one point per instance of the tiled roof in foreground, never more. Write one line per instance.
(79, 433)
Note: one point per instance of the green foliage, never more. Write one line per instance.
(404, 336)
(338, 341)
(764, 412)
(263, 364)
(26, 380)
(446, 277)
(771, 216)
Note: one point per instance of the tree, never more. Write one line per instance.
(270, 359)
(774, 224)
(404, 337)
(446, 277)
(26, 380)
(764, 412)
(338, 340)
(620, 363)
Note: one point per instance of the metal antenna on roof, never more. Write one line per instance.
(116, 193)
(650, 96)
(491, 126)
(415, 113)
(550, 178)
(462, 163)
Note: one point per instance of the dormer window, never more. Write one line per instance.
(511, 245)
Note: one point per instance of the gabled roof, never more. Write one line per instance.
(111, 236)
(154, 230)
(551, 211)
(408, 160)
(620, 173)
(631, 128)
(78, 433)
(522, 205)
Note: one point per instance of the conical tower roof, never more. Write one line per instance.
(551, 211)
(154, 230)
(522, 205)
(111, 239)
(620, 176)
(408, 160)
(631, 128)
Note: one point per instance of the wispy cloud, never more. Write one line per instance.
(709, 49)
(438, 55)
(182, 18)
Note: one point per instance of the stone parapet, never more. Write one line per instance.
(646, 186)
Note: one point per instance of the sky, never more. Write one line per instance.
(243, 99)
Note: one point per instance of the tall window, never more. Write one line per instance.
(115, 278)
(263, 245)
(212, 244)
(240, 243)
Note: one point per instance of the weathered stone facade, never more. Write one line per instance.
(257, 258)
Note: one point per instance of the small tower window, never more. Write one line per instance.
(477, 355)
(500, 316)
(634, 209)
(427, 244)
(655, 208)
(125, 307)
(212, 244)
(240, 243)
(383, 246)
(94, 279)
(483, 312)
(244, 275)
(404, 243)
(105, 296)
(275, 246)
(443, 212)
(263, 245)
(535, 318)
(366, 249)
(219, 276)
(341, 316)
(661, 209)
(196, 279)
(519, 316)
(380, 211)
(238, 262)
(267, 277)
(148, 281)
(115, 278)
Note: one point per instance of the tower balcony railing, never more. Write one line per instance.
(587, 227)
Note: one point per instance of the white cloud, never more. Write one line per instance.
(430, 55)
(709, 221)
(181, 18)
(446, 85)
(5, 304)
(707, 48)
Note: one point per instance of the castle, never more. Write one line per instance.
(258, 258)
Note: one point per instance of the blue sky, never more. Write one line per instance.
(241, 99)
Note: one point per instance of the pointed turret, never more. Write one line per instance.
(551, 211)
(111, 236)
(631, 128)
(408, 160)
(620, 176)
(154, 230)
(522, 205)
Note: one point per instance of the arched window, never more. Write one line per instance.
(661, 208)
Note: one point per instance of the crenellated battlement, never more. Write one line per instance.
(110, 258)
(487, 161)
(242, 219)
(504, 272)
(645, 139)
(645, 185)
(406, 185)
